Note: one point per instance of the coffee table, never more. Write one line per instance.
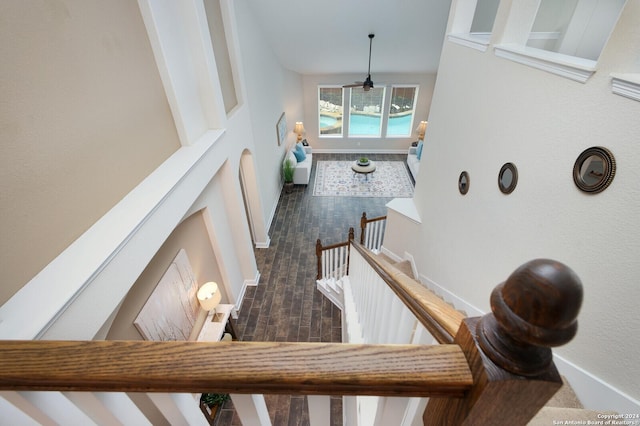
(363, 170)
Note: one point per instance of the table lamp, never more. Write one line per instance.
(421, 129)
(209, 297)
(298, 129)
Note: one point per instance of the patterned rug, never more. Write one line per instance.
(336, 179)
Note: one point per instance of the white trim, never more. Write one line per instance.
(114, 239)
(474, 41)
(263, 244)
(571, 67)
(357, 151)
(246, 283)
(406, 207)
(627, 85)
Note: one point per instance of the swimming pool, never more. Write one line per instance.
(366, 125)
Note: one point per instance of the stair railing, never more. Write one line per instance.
(372, 231)
(333, 260)
(508, 350)
(499, 367)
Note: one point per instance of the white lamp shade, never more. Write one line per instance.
(422, 128)
(298, 128)
(209, 296)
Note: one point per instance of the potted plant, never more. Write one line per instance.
(210, 404)
(287, 170)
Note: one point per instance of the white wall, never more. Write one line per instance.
(271, 91)
(487, 111)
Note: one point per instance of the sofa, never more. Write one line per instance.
(413, 159)
(302, 172)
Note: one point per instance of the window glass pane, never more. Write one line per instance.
(401, 111)
(574, 27)
(365, 112)
(221, 53)
(330, 107)
(484, 16)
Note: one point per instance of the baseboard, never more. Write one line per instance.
(265, 244)
(253, 282)
(359, 151)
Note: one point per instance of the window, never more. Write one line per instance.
(365, 112)
(473, 23)
(483, 18)
(577, 28)
(221, 53)
(401, 111)
(330, 109)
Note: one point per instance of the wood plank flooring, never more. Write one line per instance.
(286, 306)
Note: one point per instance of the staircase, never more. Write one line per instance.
(563, 405)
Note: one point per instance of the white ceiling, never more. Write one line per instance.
(331, 36)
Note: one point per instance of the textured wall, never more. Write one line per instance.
(83, 119)
(487, 111)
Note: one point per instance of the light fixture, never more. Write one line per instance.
(421, 129)
(209, 297)
(299, 130)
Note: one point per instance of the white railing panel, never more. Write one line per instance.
(382, 318)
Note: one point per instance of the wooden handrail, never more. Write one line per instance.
(364, 221)
(436, 315)
(235, 367)
(320, 248)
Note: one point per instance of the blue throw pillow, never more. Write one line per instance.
(299, 153)
(419, 150)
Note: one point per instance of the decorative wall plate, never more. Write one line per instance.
(508, 178)
(594, 170)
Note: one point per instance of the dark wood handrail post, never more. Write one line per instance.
(319, 256)
(509, 350)
(351, 237)
(363, 225)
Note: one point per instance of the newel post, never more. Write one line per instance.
(363, 225)
(319, 256)
(509, 350)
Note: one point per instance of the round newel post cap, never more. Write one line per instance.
(535, 309)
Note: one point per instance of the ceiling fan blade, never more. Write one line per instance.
(368, 83)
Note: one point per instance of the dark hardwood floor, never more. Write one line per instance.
(286, 306)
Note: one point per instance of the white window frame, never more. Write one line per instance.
(330, 135)
(413, 114)
(383, 113)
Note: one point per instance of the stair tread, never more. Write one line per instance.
(565, 397)
(405, 267)
(547, 415)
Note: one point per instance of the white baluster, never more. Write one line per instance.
(178, 408)
(57, 408)
(95, 408)
(252, 409)
(319, 410)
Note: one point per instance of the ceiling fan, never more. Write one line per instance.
(367, 84)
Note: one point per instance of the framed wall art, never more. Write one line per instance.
(281, 129)
(171, 310)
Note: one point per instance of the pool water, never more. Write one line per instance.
(365, 125)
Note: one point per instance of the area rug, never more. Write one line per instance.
(336, 179)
